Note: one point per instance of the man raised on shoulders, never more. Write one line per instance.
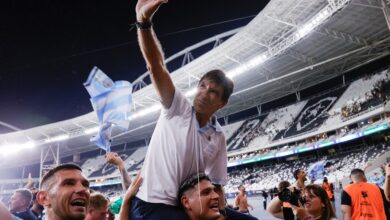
(187, 138)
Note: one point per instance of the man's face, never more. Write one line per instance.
(98, 214)
(68, 195)
(17, 203)
(208, 98)
(302, 175)
(242, 189)
(208, 205)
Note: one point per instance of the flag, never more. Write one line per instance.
(111, 102)
(316, 170)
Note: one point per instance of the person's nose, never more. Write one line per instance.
(81, 189)
(214, 195)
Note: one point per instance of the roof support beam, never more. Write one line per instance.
(46, 157)
(298, 95)
(280, 21)
(386, 11)
(366, 4)
(300, 56)
(342, 36)
(258, 107)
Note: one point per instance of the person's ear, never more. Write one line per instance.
(185, 202)
(43, 198)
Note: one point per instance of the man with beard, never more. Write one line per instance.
(64, 192)
(300, 177)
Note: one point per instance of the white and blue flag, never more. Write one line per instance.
(112, 103)
(316, 170)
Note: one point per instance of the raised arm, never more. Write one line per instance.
(29, 182)
(387, 182)
(115, 159)
(130, 193)
(152, 52)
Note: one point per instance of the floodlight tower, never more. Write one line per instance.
(50, 158)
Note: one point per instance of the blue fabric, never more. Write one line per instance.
(155, 211)
(111, 102)
(316, 170)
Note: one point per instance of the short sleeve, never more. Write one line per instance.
(345, 198)
(180, 105)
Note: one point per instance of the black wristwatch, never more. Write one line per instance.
(143, 25)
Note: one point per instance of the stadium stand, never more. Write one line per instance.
(245, 131)
(267, 175)
(313, 114)
(274, 122)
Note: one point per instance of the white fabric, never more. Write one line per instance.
(177, 149)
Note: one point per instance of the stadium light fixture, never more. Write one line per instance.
(58, 138)
(91, 130)
(145, 111)
(312, 23)
(255, 61)
(8, 149)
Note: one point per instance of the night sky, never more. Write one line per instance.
(48, 47)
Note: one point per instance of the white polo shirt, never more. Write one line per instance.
(179, 148)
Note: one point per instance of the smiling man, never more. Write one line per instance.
(64, 192)
(198, 198)
(187, 138)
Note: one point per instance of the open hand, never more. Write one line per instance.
(145, 9)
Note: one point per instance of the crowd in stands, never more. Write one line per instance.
(258, 178)
(378, 94)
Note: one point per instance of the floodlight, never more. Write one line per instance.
(91, 130)
(8, 149)
(57, 138)
(145, 111)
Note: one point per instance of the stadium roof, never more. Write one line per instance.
(289, 46)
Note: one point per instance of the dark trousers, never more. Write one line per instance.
(154, 211)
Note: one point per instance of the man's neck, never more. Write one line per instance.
(52, 216)
(202, 119)
(301, 183)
